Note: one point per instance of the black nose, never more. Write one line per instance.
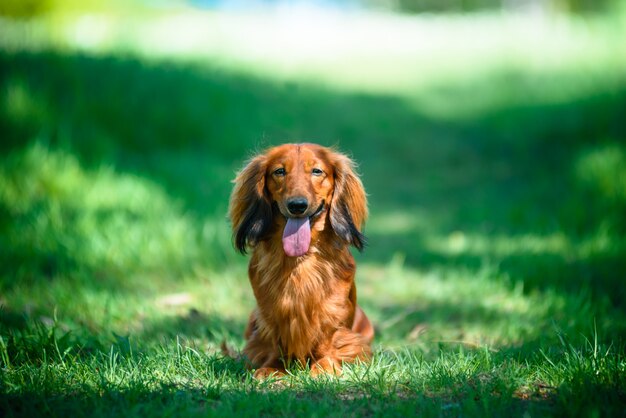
(297, 205)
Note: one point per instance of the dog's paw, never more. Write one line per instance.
(268, 372)
(325, 366)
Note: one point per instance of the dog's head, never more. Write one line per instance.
(299, 183)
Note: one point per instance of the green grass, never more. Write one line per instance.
(497, 239)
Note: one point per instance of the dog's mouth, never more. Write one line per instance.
(297, 233)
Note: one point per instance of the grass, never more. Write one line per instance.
(177, 379)
(495, 270)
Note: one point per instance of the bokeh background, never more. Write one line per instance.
(490, 136)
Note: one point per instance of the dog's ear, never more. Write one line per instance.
(250, 210)
(348, 209)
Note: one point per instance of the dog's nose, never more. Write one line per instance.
(297, 205)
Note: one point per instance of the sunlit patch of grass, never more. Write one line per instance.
(399, 222)
(453, 305)
(458, 243)
(214, 309)
(98, 220)
(498, 246)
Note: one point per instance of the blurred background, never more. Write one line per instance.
(490, 136)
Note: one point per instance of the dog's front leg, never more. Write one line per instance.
(326, 365)
(263, 356)
(269, 371)
(345, 346)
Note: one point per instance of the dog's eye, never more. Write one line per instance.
(279, 172)
(317, 172)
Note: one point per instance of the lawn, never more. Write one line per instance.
(493, 150)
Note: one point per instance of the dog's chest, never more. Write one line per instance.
(302, 292)
(299, 304)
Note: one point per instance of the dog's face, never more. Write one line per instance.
(295, 186)
(300, 181)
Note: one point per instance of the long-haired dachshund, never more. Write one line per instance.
(299, 207)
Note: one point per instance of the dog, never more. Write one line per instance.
(298, 208)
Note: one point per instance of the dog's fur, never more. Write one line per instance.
(306, 305)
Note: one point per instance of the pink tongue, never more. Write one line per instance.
(297, 236)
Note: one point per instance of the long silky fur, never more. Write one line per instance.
(306, 306)
(348, 211)
(250, 209)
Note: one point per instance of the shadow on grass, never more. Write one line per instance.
(476, 397)
(175, 133)
(258, 402)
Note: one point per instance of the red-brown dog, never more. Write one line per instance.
(299, 207)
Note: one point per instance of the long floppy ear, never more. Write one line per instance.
(348, 209)
(250, 211)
